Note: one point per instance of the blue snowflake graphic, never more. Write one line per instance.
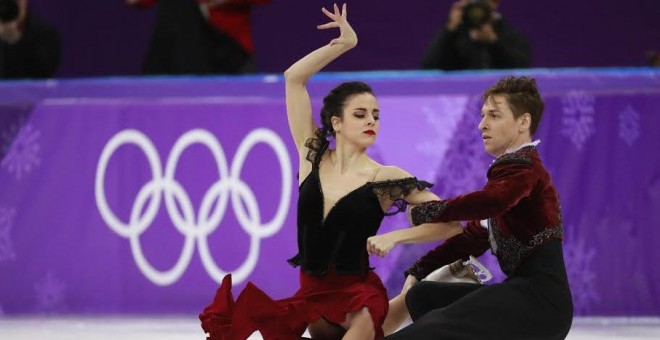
(629, 129)
(50, 295)
(6, 223)
(20, 149)
(578, 117)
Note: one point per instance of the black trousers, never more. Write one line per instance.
(534, 304)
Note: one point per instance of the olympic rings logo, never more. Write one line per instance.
(195, 228)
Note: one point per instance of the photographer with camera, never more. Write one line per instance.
(29, 48)
(476, 36)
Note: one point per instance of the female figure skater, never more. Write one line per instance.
(343, 197)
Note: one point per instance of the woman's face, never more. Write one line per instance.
(359, 123)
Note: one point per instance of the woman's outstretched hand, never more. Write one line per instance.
(347, 36)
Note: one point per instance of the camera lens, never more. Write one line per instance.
(477, 13)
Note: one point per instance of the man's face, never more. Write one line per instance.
(499, 129)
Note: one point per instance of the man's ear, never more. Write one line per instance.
(525, 121)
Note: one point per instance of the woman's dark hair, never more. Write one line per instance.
(333, 105)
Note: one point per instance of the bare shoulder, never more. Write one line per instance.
(391, 172)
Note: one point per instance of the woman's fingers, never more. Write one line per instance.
(328, 14)
(375, 248)
(328, 25)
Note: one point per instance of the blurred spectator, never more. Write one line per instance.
(476, 36)
(29, 48)
(200, 37)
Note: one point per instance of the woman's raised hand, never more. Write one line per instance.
(347, 36)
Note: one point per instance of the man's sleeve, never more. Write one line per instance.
(512, 50)
(508, 183)
(441, 54)
(473, 241)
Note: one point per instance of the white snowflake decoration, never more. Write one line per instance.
(436, 117)
(578, 117)
(20, 149)
(6, 222)
(629, 129)
(466, 162)
(581, 276)
(50, 295)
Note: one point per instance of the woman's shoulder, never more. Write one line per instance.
(390, 176)
(391, 173)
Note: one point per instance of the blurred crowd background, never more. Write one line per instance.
(132, 37)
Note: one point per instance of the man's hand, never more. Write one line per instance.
(10, 33)
(485, 33)
(456, 15)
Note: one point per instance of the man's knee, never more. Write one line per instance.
(418, 299)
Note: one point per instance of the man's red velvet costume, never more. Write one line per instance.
(520, 205)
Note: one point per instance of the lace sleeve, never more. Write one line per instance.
(316, 147)
(396, 190)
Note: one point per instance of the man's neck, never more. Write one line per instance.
(522, 145)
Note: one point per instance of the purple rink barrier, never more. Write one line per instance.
(136, 195)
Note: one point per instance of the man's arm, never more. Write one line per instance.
(473, 241)
(512, 50)
(441, 54)
(508, 183)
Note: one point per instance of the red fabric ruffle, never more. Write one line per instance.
(331, 296)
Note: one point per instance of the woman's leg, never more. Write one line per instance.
(396, 315)
(323, 330)
(359, 325)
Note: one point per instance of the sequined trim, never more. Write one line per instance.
(510, 251)
(512, 158)
(428, 211)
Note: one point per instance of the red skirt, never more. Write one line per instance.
(331, 296)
